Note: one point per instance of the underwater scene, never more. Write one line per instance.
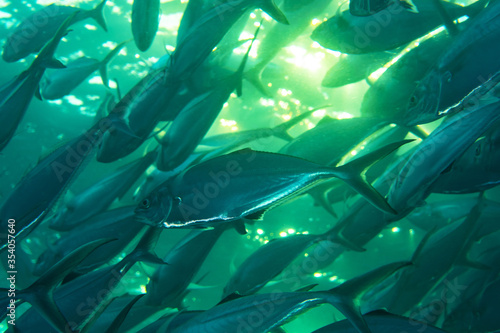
(250, 166)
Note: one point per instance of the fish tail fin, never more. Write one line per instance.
(241, 68)
(281, 131)
(98, 15)
(103, 68)
(253, 76)
(272, 10)
(39, 294)
(353, 173)
(45, 57)
(346, 297)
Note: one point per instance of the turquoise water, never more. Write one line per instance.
(292, 81)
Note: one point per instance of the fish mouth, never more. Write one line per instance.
(142, 219)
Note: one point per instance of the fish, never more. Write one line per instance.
(58, 83)
(100, 195)
(266, 263)
(153, 93)
(38, 28)
(218, 190)
(436, 153)
(435, 256)
(118, 228)
(80, 298)
(168, 284)
(201, 38)
(299, 15)
(355, 67)
(41, 294)
(381, 321)
(34, 196)
(16, 95)
(196, 118)
(449, 81)
(331, 139)
(280, 307)
(387, 29)
(145, 20)
(474, 171)
(404, 75)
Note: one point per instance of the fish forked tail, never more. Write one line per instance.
(103, 70)
(98, 16)
(353, 173)
(346, 297)
(272, 10)
(40, 293)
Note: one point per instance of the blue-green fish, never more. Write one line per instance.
(145, 20)
(37, 29)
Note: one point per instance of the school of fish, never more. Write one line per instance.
(121, 223)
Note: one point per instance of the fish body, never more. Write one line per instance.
(145, 20)
(141, 108)
(402, 76)
(382, 322)
(450, 79)
(475, 171)
(118, 228)
(34, 196)
(16, 95)
(266, 263)
(169, 282)
(385, 30)
(355, 67)
(436, 153)
(98, 197)
(236, 315)
(59, 83)
(242, 184)
(37, 29)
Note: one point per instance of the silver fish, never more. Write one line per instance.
(37, 29)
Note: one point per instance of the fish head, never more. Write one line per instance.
(423, 105)
(9, 53)
(155, 208)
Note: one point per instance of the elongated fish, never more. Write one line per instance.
(382, 322)
(99, 196)
(16, 96)
(33, 197)
(437, 152)
(236, 315)
(118, 229)
(145, 20)
(168, 283)
(58, 83)
(403, 76)
(387, 29)
(36, 30)
(245, 184)
(449, 81)
(194, 121)
(266, 263)
(209, 30)
(41, 294)
(475, 171)
(355, 67)
(141, 109)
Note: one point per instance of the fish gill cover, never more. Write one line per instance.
(351, 148)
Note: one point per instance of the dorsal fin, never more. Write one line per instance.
(230, 297)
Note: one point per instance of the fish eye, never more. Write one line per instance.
(145, 203)
(413, 100)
